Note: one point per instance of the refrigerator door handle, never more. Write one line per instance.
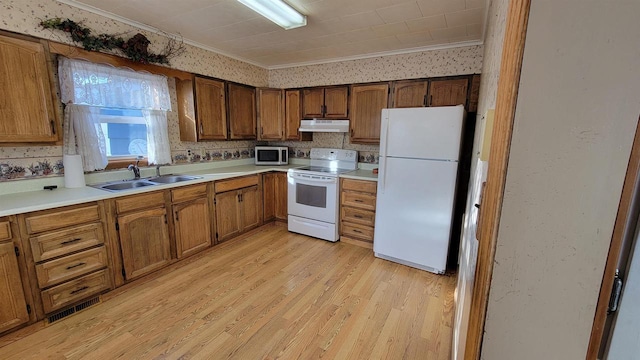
(383, 153)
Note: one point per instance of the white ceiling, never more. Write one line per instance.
(336, 29)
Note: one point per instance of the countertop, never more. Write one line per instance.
(23, 202)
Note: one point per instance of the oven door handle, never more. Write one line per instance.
(313, 181)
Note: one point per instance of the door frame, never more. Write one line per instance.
(625, 221)
(507, 96)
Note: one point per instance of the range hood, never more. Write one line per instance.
(318, 125)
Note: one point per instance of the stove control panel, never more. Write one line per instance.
(334, 154)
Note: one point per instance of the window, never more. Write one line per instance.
(125, 133)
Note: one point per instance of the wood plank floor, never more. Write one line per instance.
(269, 295)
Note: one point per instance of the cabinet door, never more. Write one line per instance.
(211, 109)
(144, 239)
(448, 92)
(192, 227)
(281, 196)
(242, 112)
(292, 114)
(269, 196)
(409, 94)
(227, 215)
(474, 93)
(367, 102)
(13, 307)
(336, 102)
(251, 208)
(313, 103)
(26, 105)
(271, 114)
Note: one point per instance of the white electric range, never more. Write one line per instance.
(314, 193)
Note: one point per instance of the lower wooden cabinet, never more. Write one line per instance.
(239, 208)
(12, 300)
(191, 219)
(143, 232)
(274, 189)
(357, 211)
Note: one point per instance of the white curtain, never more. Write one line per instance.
(86, 87)
(158, 149)
(83, 135)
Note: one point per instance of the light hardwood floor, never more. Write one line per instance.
(268, 295)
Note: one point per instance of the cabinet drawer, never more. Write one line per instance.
(236, 183)
(74, 290)
(61, 218)
(68, 267)
(359, 185)
(359, 200)
(189, 192)
(59, 243)
(357, 231)
(5, 231)
(138, 202)
(358, 216)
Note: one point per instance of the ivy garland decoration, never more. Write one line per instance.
(135, 48)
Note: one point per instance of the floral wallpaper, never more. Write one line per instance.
(29, 162)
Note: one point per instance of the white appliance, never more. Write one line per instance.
(319, 125)
(272, 155)
(419, 152)
(313, 193)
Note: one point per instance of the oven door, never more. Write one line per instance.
(313, 196)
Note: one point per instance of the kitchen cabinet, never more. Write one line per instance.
(238, 204)
(357, 211)
(27, 113)
(242, 112)
(474, 93)
(69, 261)
(448, 92)
(271, 113)
(191, 218)
(293, 115)
(367, 102)
(274, 189)
(409, 93)
(211, 110)
(12, 291)
(142, 228)
(326, 103)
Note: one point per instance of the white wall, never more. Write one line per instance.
(577, 110)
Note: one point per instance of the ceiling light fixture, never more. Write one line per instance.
(277, 11)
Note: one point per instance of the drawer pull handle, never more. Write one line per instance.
(70, 241)
(358, 216)
(357, 231)
(76, 265)
(79, 290)
(358, 200)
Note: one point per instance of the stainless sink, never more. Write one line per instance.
(124, 185)
(170, 179)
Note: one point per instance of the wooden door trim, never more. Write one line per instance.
(507, 96)
(629, 189)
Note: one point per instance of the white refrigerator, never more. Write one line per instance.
(419, 153)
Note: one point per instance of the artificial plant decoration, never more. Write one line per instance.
(135, 48)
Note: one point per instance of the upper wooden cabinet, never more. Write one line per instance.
(211, 111)
(293, 115)
(367, 102)
(326, 103)
(271, 114)
(242, 112)
(409, 93)
(448, 92)
(27, 111)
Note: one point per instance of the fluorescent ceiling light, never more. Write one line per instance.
(277, 11)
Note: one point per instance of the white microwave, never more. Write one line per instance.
(272, 155)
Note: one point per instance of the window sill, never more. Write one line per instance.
(123, 163)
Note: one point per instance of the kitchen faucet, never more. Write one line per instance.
(135, 169)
